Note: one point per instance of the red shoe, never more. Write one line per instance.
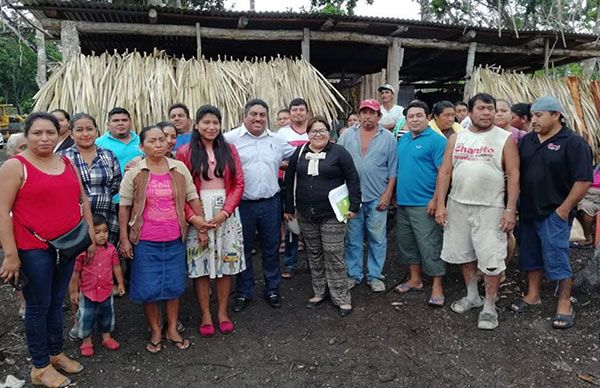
(87, 350)
(226, 327)
(111, 344)
(207, 330)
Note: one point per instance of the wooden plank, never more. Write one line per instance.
(324, 36)
(469, 69)
(198, 41)
(546, 54)
(306, 45)
(393, 64)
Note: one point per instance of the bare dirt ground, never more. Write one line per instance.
(380, 344)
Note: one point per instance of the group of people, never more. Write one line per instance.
(184, 198)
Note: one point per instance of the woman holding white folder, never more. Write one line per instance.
(314, 171)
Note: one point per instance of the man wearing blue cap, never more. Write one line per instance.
(556, 172)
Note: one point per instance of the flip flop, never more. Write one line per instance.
(154, 347)
(436, 301)
(521, 307)
(405, 287)
(182, 344)
(567, 319)
(580, 245)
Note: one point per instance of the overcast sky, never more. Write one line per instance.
(405, 9)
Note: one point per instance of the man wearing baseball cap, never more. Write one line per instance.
(556, 172)
(373, 149)
(390, 112)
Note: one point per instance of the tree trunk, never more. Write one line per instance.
(40, 42)
(589, 65)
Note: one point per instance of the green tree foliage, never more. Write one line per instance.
(19, 67)
(335, 7)
(565, 15)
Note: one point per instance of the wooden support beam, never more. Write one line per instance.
(328, 25)
(546, 54)
(242, 22)
(469, 69)
(296, 35)
(69, 39)
(198, 42)
(152, 16)
(306, 45)
(399, 31)
(394, 63)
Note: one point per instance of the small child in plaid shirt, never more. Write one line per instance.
(91, 289)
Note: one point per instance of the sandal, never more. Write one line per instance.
(487, 320)
(49, 377)
(403, 288)
(111, 344)
(521, 307)
(567, 320)
(182, 344)
(465, 304)
(154, 347)
(86, 350)
(287, 275)
(580, 245)
(436, 301)
(226, 327)
(65, 364)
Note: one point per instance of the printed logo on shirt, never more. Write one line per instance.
(483, 153)
(553, 147)
(419, 147)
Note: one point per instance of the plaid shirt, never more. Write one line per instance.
(101, 182)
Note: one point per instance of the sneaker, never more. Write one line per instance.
(463, 305)
(377, 285)
(353, 283)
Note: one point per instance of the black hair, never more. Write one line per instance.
(78, 116)
(418, 104)
(318, 119)
(182, 106)
(483, 97)
(457, 103)
(33, 117)
(118, 111)
(298, 102)
(350, 114)
(254, 102)
(63, 112)
(283, 111)
(163, 124)
(198, 154)
(521, 109)
(98, 219)
(146, 129)
(440, 106)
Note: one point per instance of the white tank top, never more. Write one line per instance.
(477, 174)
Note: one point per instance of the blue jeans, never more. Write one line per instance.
(290, 258)
(263, 215)
(48, 284)
(374, 221)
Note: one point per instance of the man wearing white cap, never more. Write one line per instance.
(556, 172)
(390, 112)
(373, 150)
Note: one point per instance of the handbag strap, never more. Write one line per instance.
(296, 174)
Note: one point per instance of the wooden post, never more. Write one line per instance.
(306, 44)
(546, 54)
(40, 42)
(69, 40)
(394, 62)
(469, 69)
(198, 42)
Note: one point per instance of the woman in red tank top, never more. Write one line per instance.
(45, 195)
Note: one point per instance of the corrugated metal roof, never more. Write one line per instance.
(84, 6)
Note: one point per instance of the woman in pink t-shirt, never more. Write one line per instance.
(219, 179)
(158, 198)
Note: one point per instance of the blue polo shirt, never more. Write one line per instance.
(419, 159)
(124, 152)
(182, 139)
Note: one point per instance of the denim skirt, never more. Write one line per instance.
(157, 271)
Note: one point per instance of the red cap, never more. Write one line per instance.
(370, 104)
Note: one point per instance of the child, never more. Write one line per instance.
(91, 289)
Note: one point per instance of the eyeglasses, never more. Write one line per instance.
(316, 132)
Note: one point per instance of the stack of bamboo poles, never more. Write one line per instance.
(577, 97)
(369, 84)
(146, 85)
